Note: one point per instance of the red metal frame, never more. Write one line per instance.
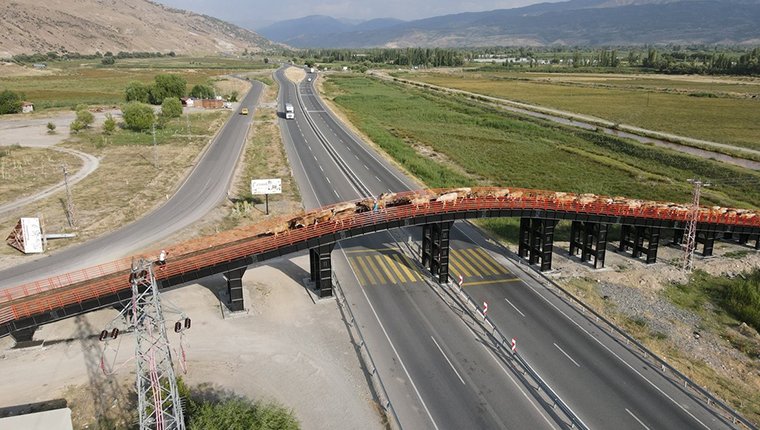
(52, 293)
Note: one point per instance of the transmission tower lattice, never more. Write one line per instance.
(691, 234)
(158, 399)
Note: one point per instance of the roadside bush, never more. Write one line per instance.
(85, 117)
(10, 102)
(171, 108)
(167, 86)
(51, 128)
(108, 61)
(233, 96)
(202, 91)
(137, 92)
(741, 298)
(138, 116)
(109, 125)
(76, 126)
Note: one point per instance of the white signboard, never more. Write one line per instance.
(266, 186)
(32, 235)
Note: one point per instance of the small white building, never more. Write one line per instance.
(27, 107)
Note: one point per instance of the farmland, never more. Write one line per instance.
(717, 109)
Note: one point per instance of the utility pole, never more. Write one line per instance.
(155, 150)
(158, 400)
(691, 235)
(69, 200)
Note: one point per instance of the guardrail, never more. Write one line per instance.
(377, 382)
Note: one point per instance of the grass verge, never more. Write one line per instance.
(26, 171)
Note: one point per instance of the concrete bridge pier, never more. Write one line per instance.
(435, 249)
(537, 241)
(591, 239)
(634, 237)
(320, 262)
(234, 280)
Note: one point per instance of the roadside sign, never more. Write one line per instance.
(514, 344)
(266, 186)
(461, 281)
(485, 308)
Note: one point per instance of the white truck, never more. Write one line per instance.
(311, 70)
(290, 113)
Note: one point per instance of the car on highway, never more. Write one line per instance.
(244, 111)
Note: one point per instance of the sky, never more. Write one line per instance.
(258, 13)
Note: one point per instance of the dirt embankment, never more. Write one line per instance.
(295, 74)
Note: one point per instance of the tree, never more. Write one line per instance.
(137, 92)
(202, 91)
(84, 117)
(109, 125)
(138, 116)
(51, 128)
(171, 108)
(233, 96)
(167, 86)
(108, 61)
(10, 102)
(266, 60)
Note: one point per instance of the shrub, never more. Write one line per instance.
(85, 117)
(109, 125)
(742, 298)
(138, 116)
(137, 92)
(171, 108)
(10, 102)
(167, 86)
(51, 128)
(108, 61)
(233, 96)
(202, 91)
(76, 126)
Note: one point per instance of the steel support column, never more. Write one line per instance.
(320, 262)
(591, 239)
(537, 241)
(523, 249)
(438, 248)
(641, 240)
(25, 335)
(707, 239)
(235, 289)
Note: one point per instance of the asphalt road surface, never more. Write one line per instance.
(606, 385)
(203, 189)
(439, 368)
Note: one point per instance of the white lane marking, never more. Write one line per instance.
(382, 327)
(365, 166)
(347, 147)
(315, 157)
(328, 180)
(357, 157)
(309, 147)
(447, 359)
(320, 168)
(336, 193)
(518, 310)
(567, 355)
(519, 387)
(637, 419)
(609, 350)
(378, 179)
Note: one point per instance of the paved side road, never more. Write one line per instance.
(205, 187)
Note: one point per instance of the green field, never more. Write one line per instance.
(490, 147)
(85, 82)
(720, 110)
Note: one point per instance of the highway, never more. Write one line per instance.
(606, 385)
(440, 371)
(204, 188)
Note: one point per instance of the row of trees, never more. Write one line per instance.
(426, 57)
(65, 55)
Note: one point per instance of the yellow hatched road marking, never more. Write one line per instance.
(375, 270)
(497, 281)
(356, 251)
(389, 262)
(475, 260)
(490, 260)
(463, 263)
(357, 270)
(404, 264)
(367, 271)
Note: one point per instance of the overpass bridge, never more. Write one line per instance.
(25, 307)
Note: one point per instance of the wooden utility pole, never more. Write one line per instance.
(155, 149)
(69, 199)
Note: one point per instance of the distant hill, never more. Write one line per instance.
(575, 22)
(86, 26)
(301, 32)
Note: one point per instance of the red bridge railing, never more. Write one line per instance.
(105, 279)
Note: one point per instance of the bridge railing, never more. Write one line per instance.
(60, 290)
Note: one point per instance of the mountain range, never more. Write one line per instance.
(574, 22)
(86, 26)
